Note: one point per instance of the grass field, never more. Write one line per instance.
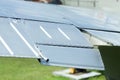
(29, 69)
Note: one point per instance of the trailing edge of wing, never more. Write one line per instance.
(72, 57)
(110, 37)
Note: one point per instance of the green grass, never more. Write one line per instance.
(29, 69)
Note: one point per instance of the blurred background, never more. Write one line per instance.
(106, 5)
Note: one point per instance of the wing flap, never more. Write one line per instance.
(72, 57)
(52, 33)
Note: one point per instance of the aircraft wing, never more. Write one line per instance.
(54, 34)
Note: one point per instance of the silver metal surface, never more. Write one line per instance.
(88, 19)
(110, 37)
(44, 31)
(31, 11)
(12, 41)
(52, 13)
(21, 36)
(53, 34)
(99, 27)
(72, 57)
(3, 50)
